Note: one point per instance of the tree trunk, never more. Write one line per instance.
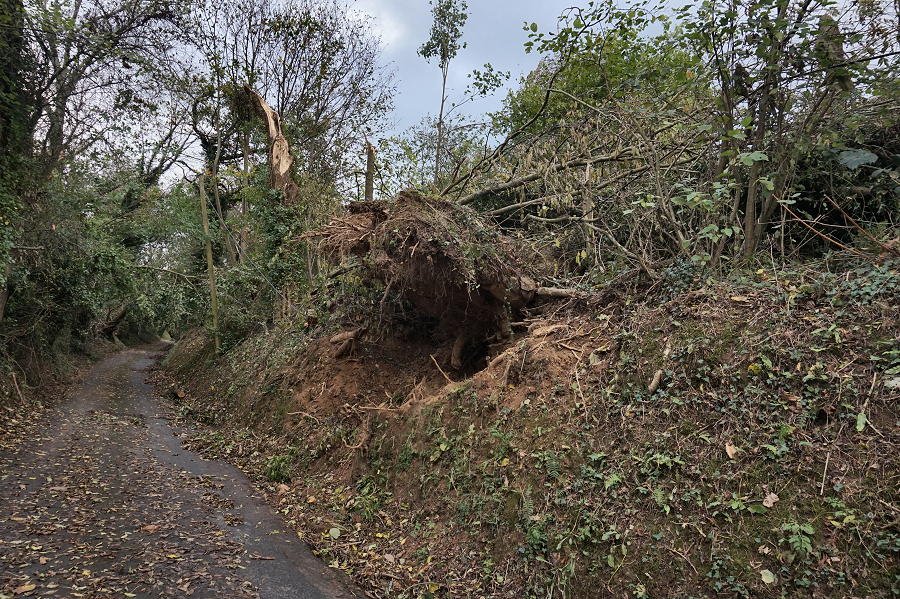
(12, 103)
(751, 229)
(229, 242)
(4, 292)
(280, 159)
(440, 125)
(210, 266)
(370, 172)
(587, 206)
(245, 209)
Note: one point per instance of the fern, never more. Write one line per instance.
(527, 508)
(553, 466)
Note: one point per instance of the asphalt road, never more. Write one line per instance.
(101, 501)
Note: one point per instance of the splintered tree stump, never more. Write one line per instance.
(280, 158)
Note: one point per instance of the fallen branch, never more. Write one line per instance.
(620, 177)
(823, 235)
(344, 348)
(347, 339)
(499, 149)
(19, 391)
(654, 384)
(345, 335)
(625, 154)
(166, 270)
(885, 248)
(556, 292)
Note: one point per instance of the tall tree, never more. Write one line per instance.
(67, 73)
(12, 110)
(446, 30)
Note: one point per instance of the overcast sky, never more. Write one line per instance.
(493, 34)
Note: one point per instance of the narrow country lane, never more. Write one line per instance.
(101, 501)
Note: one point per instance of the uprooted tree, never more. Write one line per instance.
(445, 259)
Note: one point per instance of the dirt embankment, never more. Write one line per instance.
(687, 439)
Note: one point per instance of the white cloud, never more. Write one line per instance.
(392, 22)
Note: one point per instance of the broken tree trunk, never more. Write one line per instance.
(113, 317)
(280, 158)
(370, 171)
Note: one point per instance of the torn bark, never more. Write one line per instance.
(280, 158)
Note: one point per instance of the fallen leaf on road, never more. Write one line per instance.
(150, 528)
(770, 500)
(24, 589)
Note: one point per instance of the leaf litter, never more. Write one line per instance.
(87, 512)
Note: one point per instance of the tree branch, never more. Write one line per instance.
(625, 154)
(171, 272)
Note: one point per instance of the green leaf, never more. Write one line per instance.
(611, 481)
(534, 27)
(854, 159)
(757, 509)
(334, 533)
(860, 422)
(767, 576)
(748, 158)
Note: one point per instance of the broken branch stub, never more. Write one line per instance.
(280, 158)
